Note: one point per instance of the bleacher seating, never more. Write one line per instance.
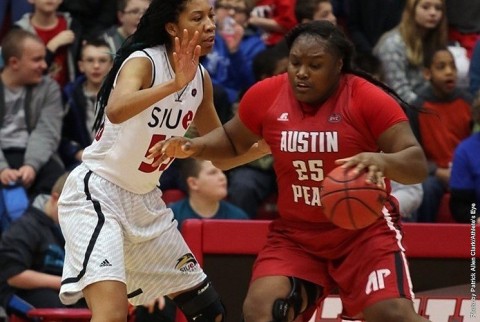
(228, 237)
(61, 315)
(54, 315)
(170, 196)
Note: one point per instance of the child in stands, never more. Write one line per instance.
(207, 190)
(447, 121)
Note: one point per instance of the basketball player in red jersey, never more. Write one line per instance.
(320, 114)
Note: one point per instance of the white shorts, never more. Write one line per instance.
(113, 234)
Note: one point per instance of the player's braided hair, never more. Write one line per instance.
(338, 42)
(150, 32)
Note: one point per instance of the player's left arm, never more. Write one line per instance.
(403, 158)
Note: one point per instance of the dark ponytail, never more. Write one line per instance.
(150, 33)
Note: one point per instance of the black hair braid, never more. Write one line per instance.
(150, 32)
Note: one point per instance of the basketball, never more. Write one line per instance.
(348, 201)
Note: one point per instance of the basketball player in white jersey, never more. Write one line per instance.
(122, 243)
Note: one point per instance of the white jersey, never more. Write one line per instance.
(118, 152)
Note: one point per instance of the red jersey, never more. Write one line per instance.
(282, 11)
(59, 67)
(306, 141)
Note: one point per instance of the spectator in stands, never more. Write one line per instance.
(207, 189)
(32, 254)
(367, 20)
(32, 113)
(447, 121)
(94, 63)
(129, 13)
(61, 35)
(236, 43)
(274, 17)
(465, 175)
(94, 16)
(308, 10)
(423, 26)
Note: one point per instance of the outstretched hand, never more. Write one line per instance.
(174, 147)
(186, 58)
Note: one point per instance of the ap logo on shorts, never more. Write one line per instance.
(186, 263)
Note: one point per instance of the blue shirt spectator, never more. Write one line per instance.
(207, 190)
(465, 175)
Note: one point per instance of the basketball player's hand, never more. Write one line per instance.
(371, 162)
(174, 147)
(263, 147)
(185, 58)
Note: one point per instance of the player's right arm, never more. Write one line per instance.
(133, 92)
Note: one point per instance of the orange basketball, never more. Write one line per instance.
(348, 201)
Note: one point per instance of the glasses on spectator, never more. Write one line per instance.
(135, 12)
(232, 7)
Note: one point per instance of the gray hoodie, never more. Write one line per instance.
(45, 119)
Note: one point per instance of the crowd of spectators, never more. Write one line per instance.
(55, 54)
(394, 39)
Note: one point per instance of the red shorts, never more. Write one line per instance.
(365, 266)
